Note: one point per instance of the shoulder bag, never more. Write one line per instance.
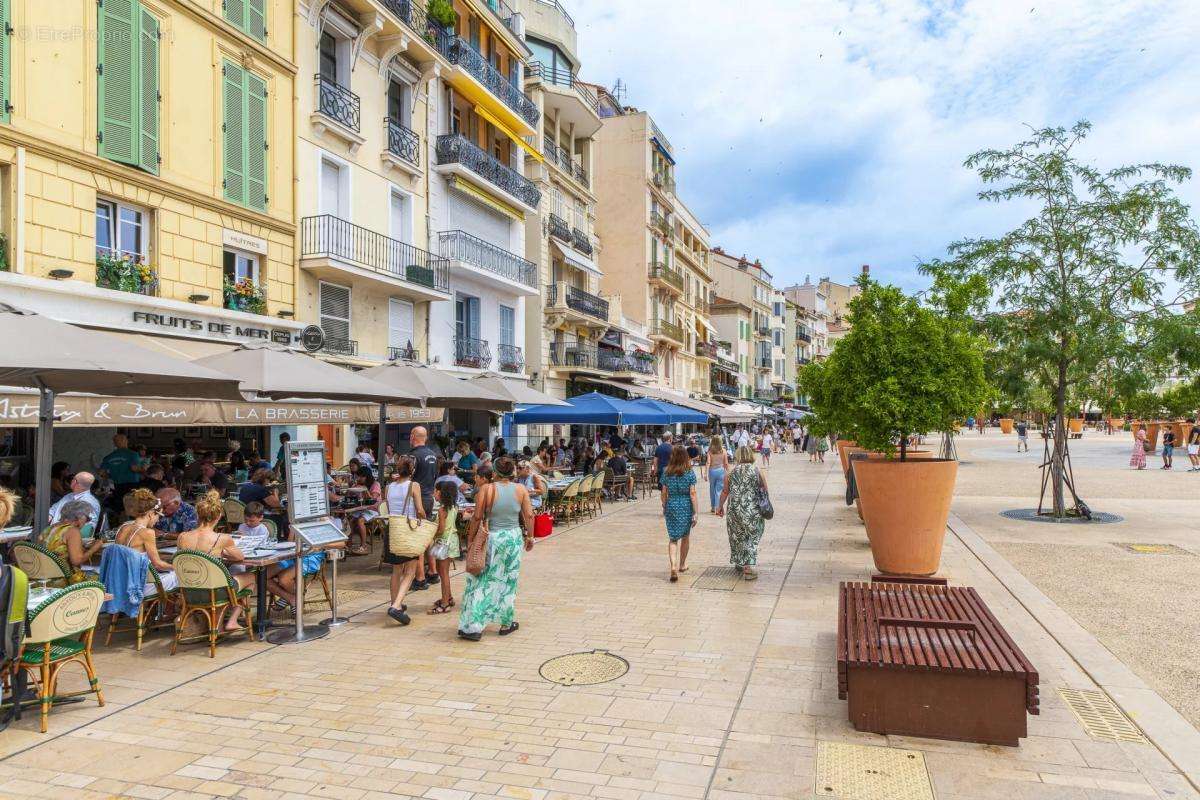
(765, 509)
(409, 538)
(477, 547)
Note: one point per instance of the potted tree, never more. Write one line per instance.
(903, 369)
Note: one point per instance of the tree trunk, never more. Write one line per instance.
(903, 446)
(1057, 459)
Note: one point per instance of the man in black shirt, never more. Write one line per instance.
(425, 473)
(620, 470)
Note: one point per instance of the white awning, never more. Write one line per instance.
(576, 260)
(655, 393)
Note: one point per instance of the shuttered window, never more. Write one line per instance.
(5, 59)
(335, 311)
(508, 326)
(128, 84)
(400, 323)
(249, 16)
(244, 136)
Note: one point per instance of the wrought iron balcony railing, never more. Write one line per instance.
(763, 331)
(763, 362)
(557, 5)
(579, 300)
(327, 236)
(581, 242)
(574, 354)
(504, 13)
(460, 52)
(668, 275)
(563, 77)
(768, 395)
(660, 223)
(664, 182)
(725, 389)
(412, 13)
(559, 228)
(707, 350)
(338, 103)
(475, 353)
(562, 158)
(340, 347)
(803, 336)
(453, 148)
(406, 353)
(462, 246)
(404, 143)
(661, 327)
(801, 360)
(510, 358)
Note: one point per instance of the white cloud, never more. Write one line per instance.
(823, 134)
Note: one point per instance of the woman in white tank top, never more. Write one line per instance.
(403, 499)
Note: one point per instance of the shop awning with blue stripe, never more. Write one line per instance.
(592, 409)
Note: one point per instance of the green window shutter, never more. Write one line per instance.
(256, 142)
(235, 12)
(148, 95)
(256, 19)
(5, 58)
(234, 132)
(118, 80)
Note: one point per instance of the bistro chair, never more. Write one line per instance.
(235, 513)
(377, 527)
(644, 478)
(60, 631)
(553, 504)
(598, 491)
(207, 588)
(152, 613)
(41, 564)
(272, 528)
(587, 495)
(570, 499)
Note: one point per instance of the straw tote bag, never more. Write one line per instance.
(409, 538)
(477, 547)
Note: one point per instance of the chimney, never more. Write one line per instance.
(866, 270)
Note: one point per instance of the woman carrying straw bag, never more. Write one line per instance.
(404, 500)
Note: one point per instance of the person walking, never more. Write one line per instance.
(662, 457)
(1022, 436)
(743, 522)
(768, 442)
(404, 500)
(810, 444)
(1137, 459)
(1193, 446)
(491, 596)
(679, 508)
(822, 446)
(718, 464)
(1168, 448)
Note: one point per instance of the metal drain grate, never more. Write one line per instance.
(1146, 549)
(864, 772)
(1100, 717)
(721, 579)
(1032, 515)
(584, 669)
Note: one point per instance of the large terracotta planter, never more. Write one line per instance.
(1006, 425)
(1117, 423)
(1152, 431)
(1182, 429)
(915, 455)
(842, 444)
(905, 505)
(1076, 425)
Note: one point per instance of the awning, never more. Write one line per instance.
(665, 152)
(479, 195)
(500, 126)
(660, 394)
(19, 408)
(576, 260)
(707, 325)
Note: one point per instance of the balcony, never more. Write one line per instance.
(455, 151)
(340, 347)
(403, 147)
(707, 350)
(472, 71)
(581, 242)
(406, 353)
(667, 277)
(725, 389)
(489, 261)
(561, 297)
(125, 272)
(510, 358)
(338, 111)
(562, 158)
(762, 362)
(505, 14)
(559, 228)
(473, 353)
(662, 329)
(803, 336)
(766, 395)
(430, 37)
(802, 361)
(573, 103)
(574, 355)
(661, 224)
(763, 331)
(663, 182)
(333, 247)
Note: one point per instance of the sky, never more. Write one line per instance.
(821, 135)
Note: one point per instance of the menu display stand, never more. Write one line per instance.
(334, 620)
(311, 526)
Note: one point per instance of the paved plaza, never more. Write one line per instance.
(731, 691)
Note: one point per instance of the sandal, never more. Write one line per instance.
(510, 629)
(440, 608)
(674, 576)
(750, 574)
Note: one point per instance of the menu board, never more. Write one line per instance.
(308, 497)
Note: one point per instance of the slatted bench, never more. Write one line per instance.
(933, 661)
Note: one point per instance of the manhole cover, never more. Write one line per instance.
(1031, 515)
(584, 669)
(1100, 717)
(864, 772)
(1145, 549)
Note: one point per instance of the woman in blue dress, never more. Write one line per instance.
(679, 507)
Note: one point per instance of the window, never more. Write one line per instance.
(466, 317)
(778, 337)
(327, 56)
(334, 194)
(401, 215)
(508, 326)
(248, 16)
(335, 311)
(121, 230)
(240, 266)
(127, 84)
(397, 108)
(244, 136)
(5, 58)
(400, 323)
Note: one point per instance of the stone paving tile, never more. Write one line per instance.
(728, 693)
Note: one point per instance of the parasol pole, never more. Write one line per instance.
(43, 457)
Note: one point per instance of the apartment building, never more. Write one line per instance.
(813, 319)
(791, 365)
(732, 373)
(781, 345)
(692, 259)
(837, 300)
(749, 284)
(147, 171)
(570, 327)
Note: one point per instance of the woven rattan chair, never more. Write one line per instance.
(41, 564)
(207, 588)
(60, 632)
(235, 513)
(570, 499)
(152, 613)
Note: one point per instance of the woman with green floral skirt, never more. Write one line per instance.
(491, 597)
(744, 522)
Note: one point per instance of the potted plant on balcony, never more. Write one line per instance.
(902, 370)
(442, 14)
(245, 295)
(122, 273)
(419, 274)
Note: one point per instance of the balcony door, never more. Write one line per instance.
(466, 317)
(400, 325)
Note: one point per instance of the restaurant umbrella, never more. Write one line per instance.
(676, 413)
(436, 387)
(521, 393)
(54, 357)
(591, 409)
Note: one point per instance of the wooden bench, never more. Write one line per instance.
(932, 661)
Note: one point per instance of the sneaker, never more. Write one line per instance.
(470, 637)
(419, 586)
(399, 616)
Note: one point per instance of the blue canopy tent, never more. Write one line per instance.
(592, 409)
(676, 413)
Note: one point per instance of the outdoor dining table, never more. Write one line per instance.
(10, 535)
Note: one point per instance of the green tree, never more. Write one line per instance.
(902, 369)
(1105, 264)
